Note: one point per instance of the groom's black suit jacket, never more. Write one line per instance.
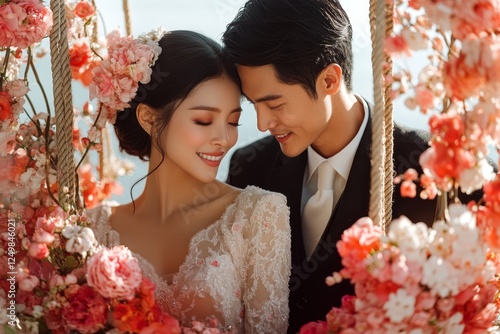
(263, 164)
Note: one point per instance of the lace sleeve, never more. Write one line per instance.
(98, 217)
(269, 266)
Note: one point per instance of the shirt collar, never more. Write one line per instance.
(342, 161)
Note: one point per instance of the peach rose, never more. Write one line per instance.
(114, 273)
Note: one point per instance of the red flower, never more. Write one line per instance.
(84, 9)
(85, 310)
(79, 55)
(168, 325)
(5, 108)
(138, 313)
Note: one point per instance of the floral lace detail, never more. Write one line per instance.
(237, 269)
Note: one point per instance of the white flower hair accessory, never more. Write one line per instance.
(116, 80)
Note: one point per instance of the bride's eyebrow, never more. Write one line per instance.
(214, 109)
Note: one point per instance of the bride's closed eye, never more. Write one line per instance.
(202, 123)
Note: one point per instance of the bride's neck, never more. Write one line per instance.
(169, 189)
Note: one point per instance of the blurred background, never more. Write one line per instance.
(210, 17)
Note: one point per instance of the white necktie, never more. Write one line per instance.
(318, 208)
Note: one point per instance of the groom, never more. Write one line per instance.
(295, 61)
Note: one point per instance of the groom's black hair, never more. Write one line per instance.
(298, 37)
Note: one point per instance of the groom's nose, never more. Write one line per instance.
(266, 120)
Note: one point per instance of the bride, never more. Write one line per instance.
(213, 250)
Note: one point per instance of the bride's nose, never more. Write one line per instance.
(220, 135)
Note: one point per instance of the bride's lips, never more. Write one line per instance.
(211, 159)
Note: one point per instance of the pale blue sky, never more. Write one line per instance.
(210, 18)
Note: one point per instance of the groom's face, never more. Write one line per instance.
(288, 112)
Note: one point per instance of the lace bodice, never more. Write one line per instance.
(237, 269)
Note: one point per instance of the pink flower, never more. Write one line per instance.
(38, 250)
(424, 98)
(339, 318)
(408, 189)
(315, 327)
(357, 243)
(29, 283)
(397, 45)
(129, 62)
(460, 80)
(16, 88)
(85, 310)
(23, 23)
(114, 273)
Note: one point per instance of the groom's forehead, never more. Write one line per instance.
(260, 83)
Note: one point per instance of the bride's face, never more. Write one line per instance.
(203, 128)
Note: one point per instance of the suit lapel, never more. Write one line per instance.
(286, 177)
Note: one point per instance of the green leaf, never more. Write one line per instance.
(8, 329)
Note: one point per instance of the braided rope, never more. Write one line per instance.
(61, 77)
(128, 20)
(377, 23)
(388, 121)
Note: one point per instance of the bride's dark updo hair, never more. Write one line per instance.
(186, 60)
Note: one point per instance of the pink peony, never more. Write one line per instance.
(24, 23)
(114, 273)
(116, 79)
(85, 310)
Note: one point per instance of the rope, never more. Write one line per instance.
(61, 77)
(128, 21)
(388, 121)
(377, 23)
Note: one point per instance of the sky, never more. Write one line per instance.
(210, 17)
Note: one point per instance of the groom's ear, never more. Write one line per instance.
(146, 117)
(329, 80)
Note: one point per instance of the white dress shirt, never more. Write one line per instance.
(340, 162)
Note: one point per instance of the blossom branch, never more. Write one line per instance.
(5, 66)
(39, 82)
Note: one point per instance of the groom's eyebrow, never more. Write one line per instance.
(266, 98)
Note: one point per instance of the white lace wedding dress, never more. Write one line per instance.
(237, 269)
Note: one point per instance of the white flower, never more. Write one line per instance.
(453, 324)
(472, 179)
(440, 276)
(117, 167)
(441, 239)
(399, 306)
(80, 240)
(94, 134)
(37, 311)
(411, 238)
(414, 39)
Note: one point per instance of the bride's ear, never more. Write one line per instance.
(146, 117)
